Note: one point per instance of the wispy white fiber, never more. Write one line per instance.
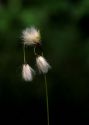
(31, 36)
(27, 72)
(42, 64)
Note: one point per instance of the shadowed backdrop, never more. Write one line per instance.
(64, 27)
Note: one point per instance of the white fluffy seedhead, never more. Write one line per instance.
(42, 64)
(31, 36)
(27, 72)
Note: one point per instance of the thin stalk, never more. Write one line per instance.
(46, 89)
(42, 54)
(47, 98)
(35, 51)
(24, 53)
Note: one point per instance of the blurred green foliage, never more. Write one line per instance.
(64, 26)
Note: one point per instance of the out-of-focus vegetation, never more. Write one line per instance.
(64, 26)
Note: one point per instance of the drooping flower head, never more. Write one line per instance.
(27, 72)
(31, 36)
(42, 64)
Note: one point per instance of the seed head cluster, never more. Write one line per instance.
(27, 72)
(31, 36)
(42, 64)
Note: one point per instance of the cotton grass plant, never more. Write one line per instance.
(32, 37)
(27, 72)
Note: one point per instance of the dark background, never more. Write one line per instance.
(64, 27)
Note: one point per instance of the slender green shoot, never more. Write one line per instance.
(47, 98)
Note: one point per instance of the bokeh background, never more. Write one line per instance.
(64, 26)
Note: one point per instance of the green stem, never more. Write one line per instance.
(24, 53)
(47, 98)
(35, 51)
(45, 89)
(42, 54)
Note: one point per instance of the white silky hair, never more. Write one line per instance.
(27, 72)
(42, 64)
(31, 36)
